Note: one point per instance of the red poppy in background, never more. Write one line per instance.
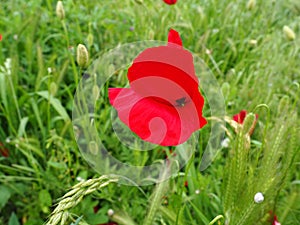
(3, 151)
(163, 104)
(170, 2)
(240, 117)
(0, 37)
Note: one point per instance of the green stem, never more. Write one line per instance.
(16, 102)
(75, 72)
(157, 196)
(217, 218)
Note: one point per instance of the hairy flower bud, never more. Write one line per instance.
(60, 12)
(251, 4)
(53, 88)
(90, 39)
(82, 56)
(225, 89)
(289, 33)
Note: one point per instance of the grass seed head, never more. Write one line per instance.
(60, 12)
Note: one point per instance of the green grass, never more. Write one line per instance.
(36, 105)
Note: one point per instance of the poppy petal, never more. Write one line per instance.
(239, 118)
(174, 38)
(154, 121)
(170, 2)
(175, 65)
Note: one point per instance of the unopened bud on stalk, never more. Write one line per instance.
(151, 34)
(251, 4)
(289, 33)
(259, 197)
(110, 212)
(90, 39)
(249, 123)
(60, 12)
(96, 92)
(225, 89)
(253, 42)
(53, 88)
(82, 56)
(93, 147)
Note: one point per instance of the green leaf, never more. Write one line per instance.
(56, 104)
(22, 126)
(4, 196)
(13, 220)
(98, 218)
(45, 198)
(57, 165)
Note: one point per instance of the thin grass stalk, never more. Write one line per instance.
(157, 196)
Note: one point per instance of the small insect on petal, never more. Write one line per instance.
(258, 197)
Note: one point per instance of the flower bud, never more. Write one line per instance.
(96, 92)
(258, 197)
(93, 147)
(289, 33)
(225, 89)
(60, 12)
(90, 39)
(251, 4)
(253, 42)
(151, 34)
(82, 56)
(53, 88)
(110, 212)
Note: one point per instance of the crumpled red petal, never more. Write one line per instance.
(154, 121)
(174, 38)
(239, 118)
(170, 2)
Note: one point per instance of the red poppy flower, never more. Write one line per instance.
(163, 104)
(0, 37)
(240, 117)
(3, 151)
(170, 2)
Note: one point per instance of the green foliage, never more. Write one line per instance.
(245, 49)
(262, 169)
